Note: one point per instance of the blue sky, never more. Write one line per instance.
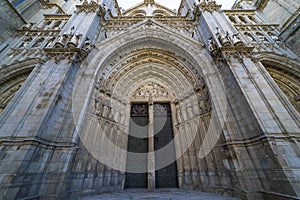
(173, 4)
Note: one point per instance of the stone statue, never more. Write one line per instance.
(211, 45)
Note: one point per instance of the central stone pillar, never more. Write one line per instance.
(151, 158)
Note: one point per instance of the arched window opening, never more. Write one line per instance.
(57, 24)
(47, 23)
(242, 19)
(251, 18)
(232, 19)
(159, 13)
(138, 13)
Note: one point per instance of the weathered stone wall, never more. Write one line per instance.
(10, 21)
(41, 147)
(286, 8)
(28, 9)
(291, 35)
(253, 143)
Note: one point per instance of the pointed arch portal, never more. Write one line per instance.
(150, 68)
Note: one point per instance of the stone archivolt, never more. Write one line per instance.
(12, 78)
(149, 65)
(150, 57)
(132, 71)
(288, 81)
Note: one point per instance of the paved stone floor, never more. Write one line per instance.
(158, 194)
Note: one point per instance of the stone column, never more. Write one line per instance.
(151, 156)
(177, 144)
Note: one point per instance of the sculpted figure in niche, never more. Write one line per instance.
(211, 44)
(223, 38)
(178, 113)
(226, 38)
(62, 39)
(87, 45)
(236, 39)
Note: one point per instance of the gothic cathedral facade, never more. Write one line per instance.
(95, 98)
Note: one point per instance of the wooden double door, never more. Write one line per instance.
(150, 130)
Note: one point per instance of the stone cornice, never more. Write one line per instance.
(65, 53)
(57, 16)
(157, 18)
(242, 49)
(38, 142)
(256, 25)
(259, 139)
(38, 31)
(239, 12)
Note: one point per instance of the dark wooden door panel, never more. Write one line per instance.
(167, 176)
(137, 143)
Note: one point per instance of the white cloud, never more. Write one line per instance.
(173, 4)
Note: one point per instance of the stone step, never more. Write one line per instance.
(158, 194)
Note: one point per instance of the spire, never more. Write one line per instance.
(149, 2)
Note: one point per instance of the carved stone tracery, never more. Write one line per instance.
(119, 25)
(150, 90)
(206, 6)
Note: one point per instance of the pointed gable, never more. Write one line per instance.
(149, 8)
